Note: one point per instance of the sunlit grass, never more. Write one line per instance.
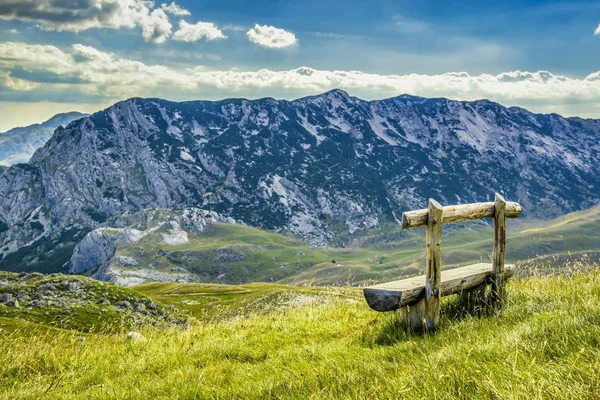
(320, 343)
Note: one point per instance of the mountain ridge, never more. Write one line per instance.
(323, 168)
(18, 144)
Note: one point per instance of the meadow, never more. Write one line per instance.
(275, 341)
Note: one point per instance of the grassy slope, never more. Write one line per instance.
(270, 257)
(287, 342)
(73, 303)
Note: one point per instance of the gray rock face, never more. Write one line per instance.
(321, 168)
(99, 246)
(97, 249)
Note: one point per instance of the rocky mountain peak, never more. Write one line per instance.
(323, 168)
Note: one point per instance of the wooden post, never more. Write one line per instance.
(433, 263)
(424, 314)
(499, 243)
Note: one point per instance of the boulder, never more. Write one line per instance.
(136, 337)
(123, 305)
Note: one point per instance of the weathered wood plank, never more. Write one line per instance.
(499, 245)
(393, 295)
(462, 212)
(433, 264)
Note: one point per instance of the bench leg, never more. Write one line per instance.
(415, 316)
(474, 298)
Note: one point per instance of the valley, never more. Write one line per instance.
(232, 253)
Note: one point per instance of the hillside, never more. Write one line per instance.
(77, 303)
(326, 169)
(198, 246)
(18, 145)
(273, 341)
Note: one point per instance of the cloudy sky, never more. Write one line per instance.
(62, 55)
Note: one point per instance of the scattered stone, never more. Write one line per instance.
(56, 298)
(123, 304)
(136, 337)
(35, 303)
(14, 303)
(128, 261)
(229, 256)
(47, 286)
(30, 276)
(6, 297)
(22, 295)
(104, 301)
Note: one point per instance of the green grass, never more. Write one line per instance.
(258, 256)
(74, 304)
(277, 341)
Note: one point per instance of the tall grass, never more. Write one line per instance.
(544, 343)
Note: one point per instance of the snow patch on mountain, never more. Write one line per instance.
(379, 125)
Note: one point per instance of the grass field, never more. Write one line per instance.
(274, 341)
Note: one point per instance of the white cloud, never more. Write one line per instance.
(597, 31)
(194, 32)
(98, 73)
(156, 27)
(54, 15)
(269, 36)
(175, 9)
(7, 80)
(110, 76)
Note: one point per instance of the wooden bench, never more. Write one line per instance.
(420, 296)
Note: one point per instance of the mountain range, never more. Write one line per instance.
(325, 169)
(18, 145)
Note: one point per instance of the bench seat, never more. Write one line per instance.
(393, 295)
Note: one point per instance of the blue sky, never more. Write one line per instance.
(58, 55)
